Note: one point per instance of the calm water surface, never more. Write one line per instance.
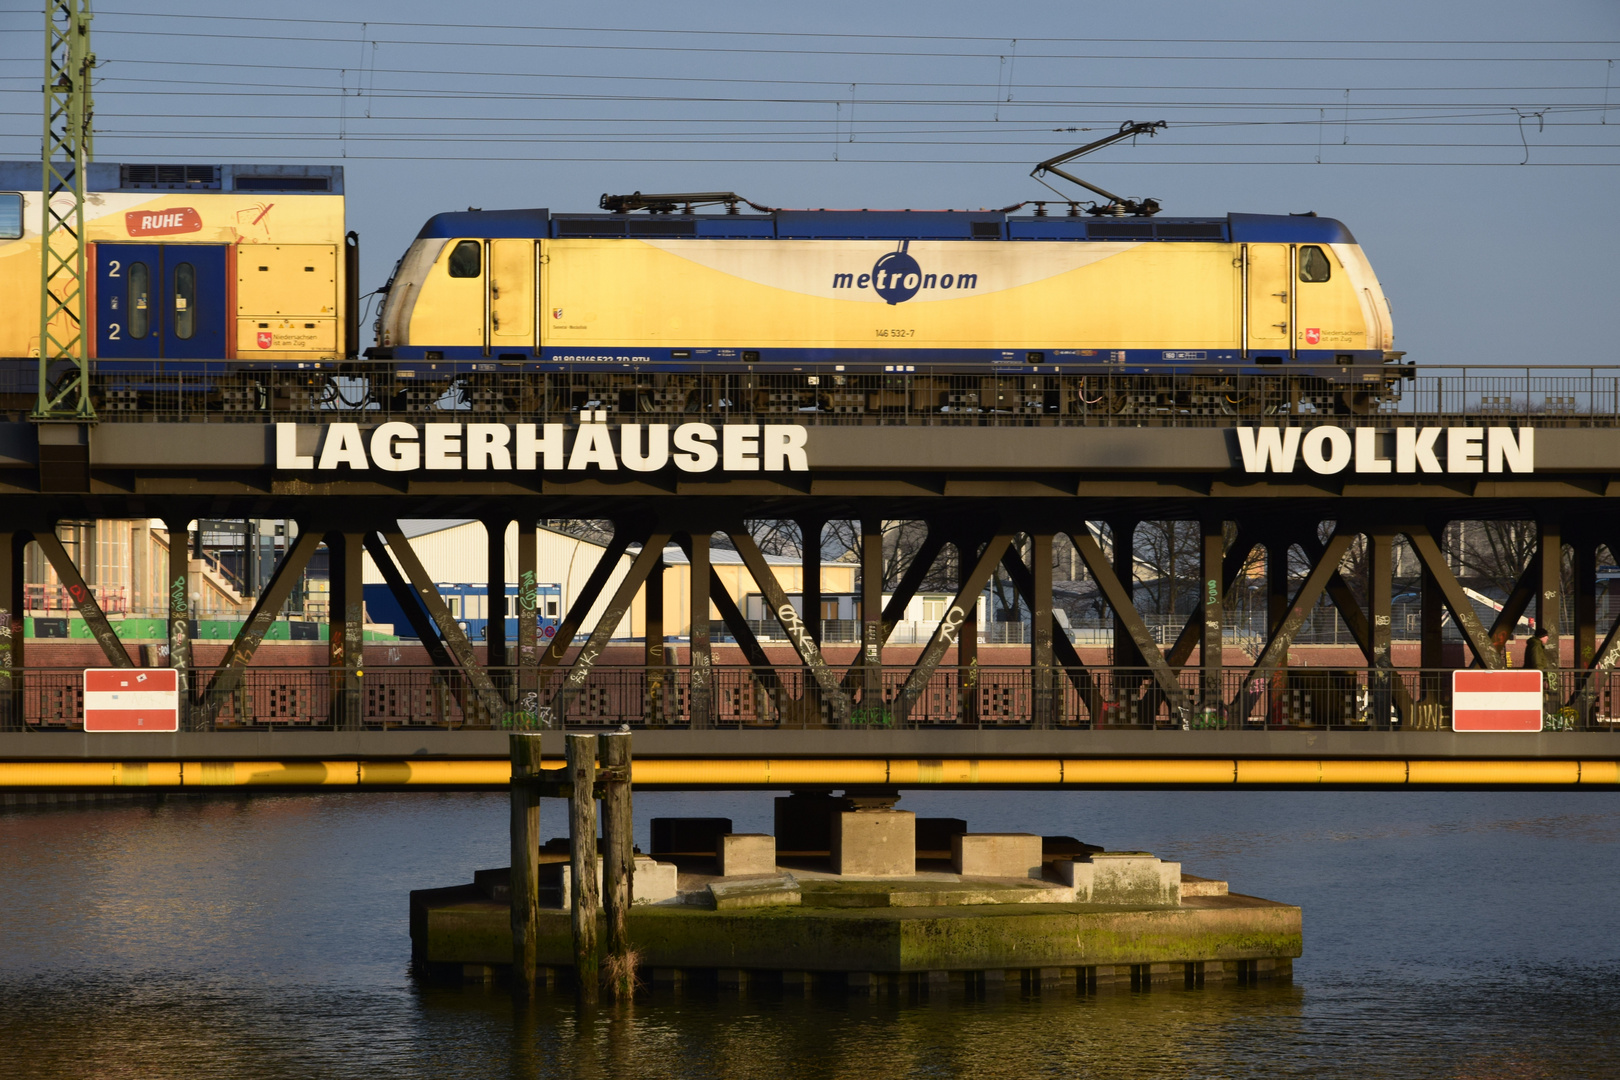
(1446, 935)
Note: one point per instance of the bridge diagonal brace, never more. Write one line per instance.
(83, 599)
(450, 632)
(1119, 601)
(1518, 601)
(652, 550)
(1062, 647)
(910, 581)
(893, 611)
(1462, 609)
(1344, 598)
(792, 623)
(1193, 631)
(1604, 660)
(426, 632)
(1276, 650)
(586, 598)
(731, 615)
(228, 675)
(946, 633)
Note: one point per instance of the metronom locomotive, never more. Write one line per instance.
(1240, 299)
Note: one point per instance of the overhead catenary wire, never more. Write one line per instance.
(889, 54)
(844, 35)
(723, 79)
(684, 109)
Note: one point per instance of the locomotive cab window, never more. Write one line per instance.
(1313, 264)
(467, 260)
(11, 207)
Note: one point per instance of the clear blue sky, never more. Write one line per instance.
(1397, 118)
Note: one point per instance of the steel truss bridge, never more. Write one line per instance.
(1004, 490)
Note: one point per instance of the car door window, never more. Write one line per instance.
(140, 300)
(185, 300)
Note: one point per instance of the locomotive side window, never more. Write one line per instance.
(11, 206)
(140, 306)
(185, 300)
(1313, 264)
(467, 259)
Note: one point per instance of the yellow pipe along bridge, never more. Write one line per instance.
(772, 773)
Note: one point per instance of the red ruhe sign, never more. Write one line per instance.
(1496, 701)
(177, 219)
(131, 699)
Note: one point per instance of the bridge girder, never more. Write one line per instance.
(966, 485)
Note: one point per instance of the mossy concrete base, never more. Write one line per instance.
(461, 928)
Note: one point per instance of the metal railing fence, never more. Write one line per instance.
(1092, 395)
(743, 697)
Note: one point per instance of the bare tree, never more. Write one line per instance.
(1492, 555)
(594, 530)
(775, 536)
(1167, 567)
(901, 542)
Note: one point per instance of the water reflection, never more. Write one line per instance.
(1462, 935)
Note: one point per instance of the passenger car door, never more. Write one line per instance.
(160, 301)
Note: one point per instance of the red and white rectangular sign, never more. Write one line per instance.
(1496, 701)
(131, 699)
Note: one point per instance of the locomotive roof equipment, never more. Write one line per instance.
(1118, 205)
(667, 204)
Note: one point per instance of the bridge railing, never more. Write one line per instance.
(738, 697)
(1088, 394)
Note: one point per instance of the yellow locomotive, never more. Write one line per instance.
(1237, 299)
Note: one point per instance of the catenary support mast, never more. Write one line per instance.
(64, 346)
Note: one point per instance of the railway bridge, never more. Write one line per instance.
(1010, 490)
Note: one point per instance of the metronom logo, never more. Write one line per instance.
(1328, 450)
(401, 447)
(897, 277)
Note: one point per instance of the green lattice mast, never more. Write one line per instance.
(63, 314)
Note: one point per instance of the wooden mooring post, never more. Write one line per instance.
(584, 902)
(618, 860)
(524, 887)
